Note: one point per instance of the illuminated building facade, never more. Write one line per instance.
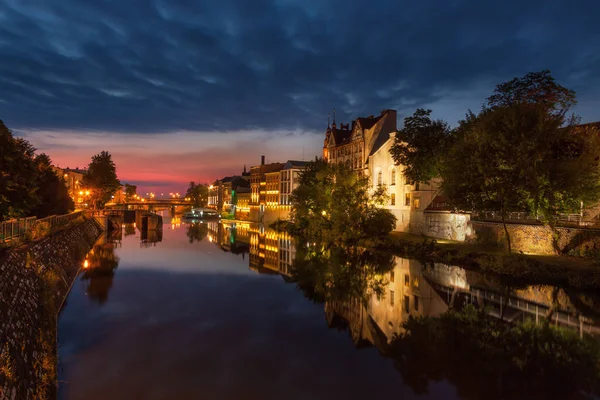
(264, 203)
(353, 144)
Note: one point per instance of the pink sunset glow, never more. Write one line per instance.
(163, 163)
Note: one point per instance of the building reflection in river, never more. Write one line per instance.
(412, 289)
(99, 268)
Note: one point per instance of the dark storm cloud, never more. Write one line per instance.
(164, 65)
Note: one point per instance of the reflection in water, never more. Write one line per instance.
(487, 336)
(129, 229)
(196, 232)
(99, 269)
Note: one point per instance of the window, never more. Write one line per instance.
(407, 280)
(393, 177)
(417, 186)
(416, 203)
(416, 303)
(416, 282)
(393, 199)
(379, 177)
(392, 276)
(407, 199)
(391, 298)
(406, 303)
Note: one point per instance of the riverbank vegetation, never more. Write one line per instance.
(28, 185)
(521, 152)
(333, 205)
(485, 357)
(101, 179)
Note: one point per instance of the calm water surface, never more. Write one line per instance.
(207, 311)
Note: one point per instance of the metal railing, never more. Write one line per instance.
(17, 228)
(525, 218)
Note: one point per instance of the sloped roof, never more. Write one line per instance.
(294, 164)
(341, 136)
(368, 122)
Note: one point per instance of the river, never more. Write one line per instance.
(213, 311)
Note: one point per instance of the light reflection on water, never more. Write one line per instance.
(207, 311)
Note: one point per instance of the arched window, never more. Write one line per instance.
(380, 177)
(393, 177)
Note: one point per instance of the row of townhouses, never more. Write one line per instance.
(260, 195)
(263, 193)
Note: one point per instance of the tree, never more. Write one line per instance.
(198, 194)
(17, 175)
(101, 179)
(535, 88)
(517, 156)
(420, 146)
(335, 205)
(51, 191)
(130, 191)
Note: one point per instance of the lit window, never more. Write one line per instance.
(416, 203)
(393, 177)
(407, 280)
(393, 199)
(407, 199)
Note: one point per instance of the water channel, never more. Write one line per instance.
(221, 311)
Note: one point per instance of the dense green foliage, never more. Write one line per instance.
(101, 179)
(51, 192)
(28, 185)
(334, 205)
(421, 145)
(130, 192)
(521, 153)
(198, 193)
(489, 358)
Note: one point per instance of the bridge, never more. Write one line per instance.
(152, 202)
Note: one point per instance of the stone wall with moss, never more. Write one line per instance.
(538, 239)
(34, 280)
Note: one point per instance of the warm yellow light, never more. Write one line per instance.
(87, 192)
(86, 264)
(66, 175)
(323, 212)
(81, 193)
(143, 199)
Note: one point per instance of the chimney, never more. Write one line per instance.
(262, 160)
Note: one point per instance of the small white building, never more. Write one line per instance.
(406, 200)
(418, 206)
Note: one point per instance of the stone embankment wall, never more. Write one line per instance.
(538, 239)
(34, 281)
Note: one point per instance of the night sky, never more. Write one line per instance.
(181, 90)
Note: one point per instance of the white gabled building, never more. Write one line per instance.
(406, 200)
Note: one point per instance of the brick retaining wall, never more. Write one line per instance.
(34, 280)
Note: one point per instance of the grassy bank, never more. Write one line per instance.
(556, 270)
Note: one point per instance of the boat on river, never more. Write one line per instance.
(201, 213)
